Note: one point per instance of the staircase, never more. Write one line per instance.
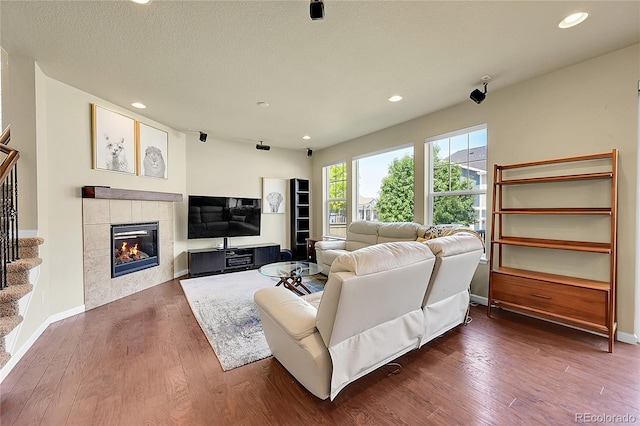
(21, 276)
(19, 257)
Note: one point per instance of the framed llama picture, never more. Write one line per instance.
(273, 195)
(114, 141)
(152, 151)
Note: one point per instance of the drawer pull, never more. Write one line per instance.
(541, 296)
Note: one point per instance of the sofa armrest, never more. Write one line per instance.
(295, 315)
(331, 245)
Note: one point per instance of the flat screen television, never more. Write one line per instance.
(222, 217)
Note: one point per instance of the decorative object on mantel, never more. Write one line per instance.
(153, 154)
(114, 140)
(274, 195)
(108, 193)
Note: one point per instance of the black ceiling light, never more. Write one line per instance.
(309, 152)
(203, 137)
(262, 147)
(316, 10)
(477, 96)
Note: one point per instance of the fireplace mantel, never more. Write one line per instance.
(105, 192)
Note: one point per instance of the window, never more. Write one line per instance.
(457, 178)
(335, 218)
(385, 188)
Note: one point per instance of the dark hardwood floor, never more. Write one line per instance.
(143, 360)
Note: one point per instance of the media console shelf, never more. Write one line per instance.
(580, 202)
(221, 260)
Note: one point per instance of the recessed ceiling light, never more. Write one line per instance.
(306, 137)
(395, 98)
(141, 1)
(262, 104)
(138, 105)
(573, 20)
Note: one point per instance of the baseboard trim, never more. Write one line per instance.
(480, 300)
(16, 357)
(27, 233)
(629, 338)
(179, 274)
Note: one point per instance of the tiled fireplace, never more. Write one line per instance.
(98, 216)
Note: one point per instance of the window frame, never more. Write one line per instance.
(430, 195)
(327, 200)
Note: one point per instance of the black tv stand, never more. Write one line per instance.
(222, 260)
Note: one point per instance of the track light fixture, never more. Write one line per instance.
(262, 147)
(203, 137)
(477, 96)
(309, 152)
(316, 10)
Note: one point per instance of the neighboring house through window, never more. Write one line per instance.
(457, 178)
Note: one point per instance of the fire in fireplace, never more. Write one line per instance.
(134, 247)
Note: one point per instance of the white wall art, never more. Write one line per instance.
(152, 151)
(114, 143)
(274, 195)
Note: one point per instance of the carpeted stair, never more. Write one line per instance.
(19, 286)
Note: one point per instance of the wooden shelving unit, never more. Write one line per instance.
(300, 217)
(585, 303)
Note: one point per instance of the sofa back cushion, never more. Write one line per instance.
(381, 257)
(361, 233)
(397, 231)
(452, 245)
(369, 272)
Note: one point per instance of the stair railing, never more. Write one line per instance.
(8, 205)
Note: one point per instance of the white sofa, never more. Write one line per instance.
(363, 233)
(367, 314)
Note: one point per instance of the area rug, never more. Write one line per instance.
(223, 306)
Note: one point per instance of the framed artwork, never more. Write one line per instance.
(114, 140)
(152, 151)
(273, 195)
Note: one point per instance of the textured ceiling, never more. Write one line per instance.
(204, 65)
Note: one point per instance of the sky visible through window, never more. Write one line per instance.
(459, 143)
(375, 168)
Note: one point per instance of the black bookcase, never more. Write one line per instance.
(300, 217)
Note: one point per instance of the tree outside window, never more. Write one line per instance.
(385, 190)
(336, 199)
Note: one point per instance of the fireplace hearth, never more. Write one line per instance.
(134, 247)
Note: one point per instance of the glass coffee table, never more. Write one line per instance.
(290, 274)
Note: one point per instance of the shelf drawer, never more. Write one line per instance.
(568, 301)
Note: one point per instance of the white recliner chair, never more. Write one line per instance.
(369, 314)
(447, 300)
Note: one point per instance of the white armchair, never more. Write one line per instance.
(368, 315)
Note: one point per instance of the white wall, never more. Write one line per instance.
(587, 108)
